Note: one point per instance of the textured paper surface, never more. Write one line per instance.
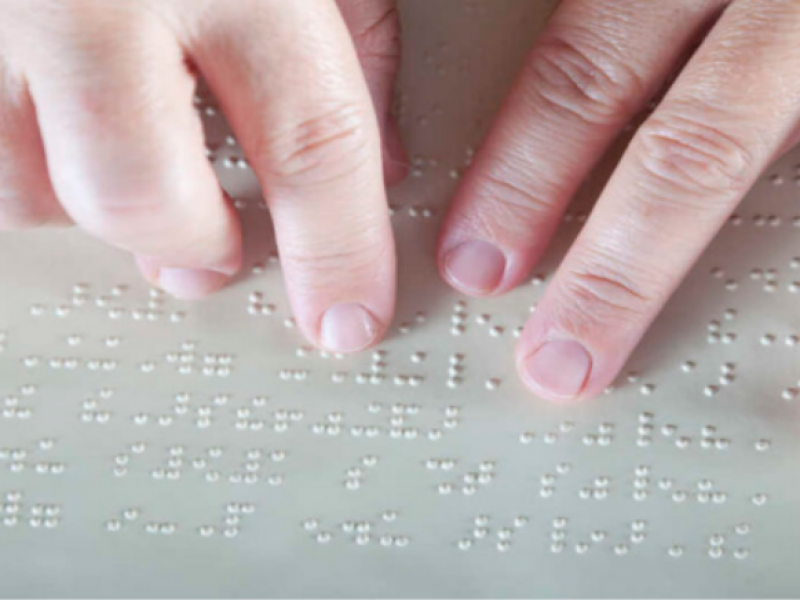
(152, 447)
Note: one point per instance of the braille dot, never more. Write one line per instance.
(742, 529)
(113, 525)
(323, 537)
(597, 536)
(647, 389)
(717, 540)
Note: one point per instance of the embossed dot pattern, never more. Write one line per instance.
(154, 447)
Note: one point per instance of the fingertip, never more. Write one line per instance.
(349, 327)
(183, 283)
(191, 284)
(557, 370)
(475, 267)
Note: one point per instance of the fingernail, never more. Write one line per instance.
(348, 328)
(559, 367)
(476, 266)
(190, 284)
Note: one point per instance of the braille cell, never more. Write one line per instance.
(703, 375)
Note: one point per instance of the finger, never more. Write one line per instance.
(375, 28)
(593, 68)
(303, 115)
(125, 146)
(27, 199)
(731, 110)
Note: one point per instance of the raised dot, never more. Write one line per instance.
(675, 551)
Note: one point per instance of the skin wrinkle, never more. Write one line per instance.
(507, 213)
(102, 70)
(319, 150)
(550, 143)
(686, 159)
(99, 70)
(364, 234)
(369, 28)
(139, 50)
(321, 274)
(319, 111)
(651, 244)
(605, 260)
(130, 198)
(599, 80)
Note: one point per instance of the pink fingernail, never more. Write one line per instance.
(476, 267)
(348, 328)
(190, 284)
(559, 367)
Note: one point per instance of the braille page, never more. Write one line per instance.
(151, 447)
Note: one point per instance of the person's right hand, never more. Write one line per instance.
(97, 127)
(731, 110)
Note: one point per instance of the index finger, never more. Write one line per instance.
(289, 80)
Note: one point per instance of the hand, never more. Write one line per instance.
(733, 108)
(97, 127)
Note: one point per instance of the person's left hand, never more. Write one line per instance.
(732, 110)
(98, 128)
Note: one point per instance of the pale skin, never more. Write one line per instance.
(97, 129)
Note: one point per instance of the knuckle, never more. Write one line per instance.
(586, 79)
(377, 40)
(366, 258)
(689, 156)
(604, 295)
(317, 150)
